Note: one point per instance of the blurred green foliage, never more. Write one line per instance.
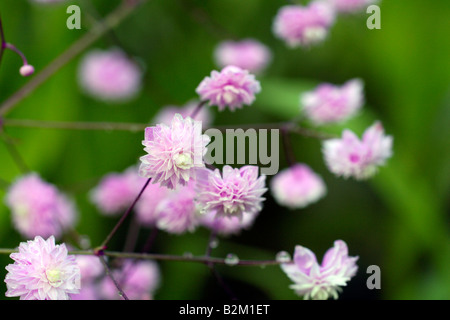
(398, 220)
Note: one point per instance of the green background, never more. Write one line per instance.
(399, 220)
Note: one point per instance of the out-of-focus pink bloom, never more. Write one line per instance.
(232, 87)
(350, 6)
(174, 153)
(90, 267)
(320, 282)
(304, 25)
(227, 226)
(38, 208)
(165, 115)
(248, 54)
(117, 191)
(145, 208)
(26, 70)
(330, 104)
(177, 213)
(232, 193)
(109, 76)
(89, 291)
(297, 186)
(42, 271)
(351, 157)
(138, 279)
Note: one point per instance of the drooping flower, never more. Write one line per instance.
(175, 152)
(248, 54)
(165, 115)
(304, 25)
(138, 279)
(232, 193)
(320, 282)
(39, 208)
(42, 271)
(109, 76)
(351, 157)
(232, 87)
(328, 103)
(297, 186)
(117, 191)
(227, 226)
(177, 212)
(351, 6)
(26, 70)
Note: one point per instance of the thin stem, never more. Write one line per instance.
(3, 41)
(108, 272)
(132, 235)
(111, 21)
(150, 240)
(14, 153)
(287, 146)
(124, 216)
(198, 108)
(13, 48)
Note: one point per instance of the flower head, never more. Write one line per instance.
(177, 212)
(351, 6)
(138, 279)
(116, 191)
(26, 70)
(175, 152)
(232, 87)
(42, 271)
(329, 103)
(320, 282)
(248, 54)
(145, 208)
(232, 193)
(109, 76)
(351, 157)
(165, 115)
(303, 25)
(297, 186)
(38, 208)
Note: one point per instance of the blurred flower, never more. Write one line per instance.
(138, 279)
(226, 226)
(297, 186)
(90, 267)
(235, 192)
(26, 70)
(351, 157)
(165, 115)
(38, 208)
(88, 291)
(109, 75)
(177, 212)
(248, 54)
(320, 282)
(304, 25)
(329, 103)
(117, 191)
(145, 208)
(42, 271)
(350, 6)
(232, 87)
(175, 152)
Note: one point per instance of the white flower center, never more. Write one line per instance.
(314, 34)
(230, 94)
(54, 277)
(183, 161)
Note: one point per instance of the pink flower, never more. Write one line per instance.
(235, 192)
(117, 191)
(175, 152)
(226, 226)
(297, 186)
(26, 70)
(138, 279)
(320, 282)
(330, 104)
(350, 6)
(90, 267)
(165, 115)
(351, 157)
(42, 271)
(38, 208)
(248, 54)
(109, 76)
(177, 213)
(232, 87)
(303, 25)
(145, 208)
